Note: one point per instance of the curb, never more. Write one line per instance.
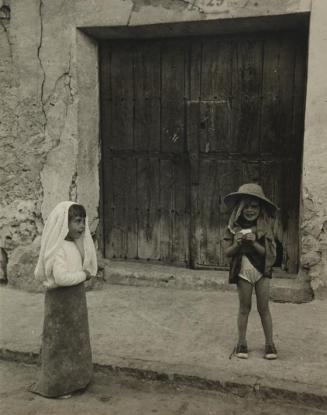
(242, 389)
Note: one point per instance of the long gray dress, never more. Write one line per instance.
(66, 359)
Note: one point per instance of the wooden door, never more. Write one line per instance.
(245, 124)
(186, 121)
(145, 171)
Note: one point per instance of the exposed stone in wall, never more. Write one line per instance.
(20, 226)
(21, 267)
(21, 132)
(314, 240)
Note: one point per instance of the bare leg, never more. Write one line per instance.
(262, 289)
(245, 297)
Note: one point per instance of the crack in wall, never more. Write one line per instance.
(73, 187)
(70, 77)
(64, 75)
(8, 40)
(58, 103)
(130, 14)
(67, 76)
(41, 64)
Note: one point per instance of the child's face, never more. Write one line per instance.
(76, 227)
(251, 210)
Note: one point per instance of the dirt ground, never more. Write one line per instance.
(122, 395)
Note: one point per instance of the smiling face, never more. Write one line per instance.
(251, 210)
(76, 227)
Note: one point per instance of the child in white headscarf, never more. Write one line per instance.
(67, 259)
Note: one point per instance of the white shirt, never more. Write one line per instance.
(67, 268)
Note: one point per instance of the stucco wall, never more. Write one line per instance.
(314, 225)
(50, 116)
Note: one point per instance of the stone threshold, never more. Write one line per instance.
(284, 288)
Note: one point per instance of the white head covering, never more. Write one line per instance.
(53, 235)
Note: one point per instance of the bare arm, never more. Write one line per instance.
(231, 247)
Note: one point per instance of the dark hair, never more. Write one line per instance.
(76, 210)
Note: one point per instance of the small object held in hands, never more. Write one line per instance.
(245, 231)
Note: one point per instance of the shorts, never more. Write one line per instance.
(248, 272)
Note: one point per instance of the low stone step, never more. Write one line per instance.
(285, 287)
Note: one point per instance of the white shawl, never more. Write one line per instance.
(53, 235)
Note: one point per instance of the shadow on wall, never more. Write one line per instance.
(3, 266)
(5, 10)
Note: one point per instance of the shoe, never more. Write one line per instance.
(241, 351)
(270, 352)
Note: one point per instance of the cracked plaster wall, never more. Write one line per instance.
(49, 113)
(40, 144)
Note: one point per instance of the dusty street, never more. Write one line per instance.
(129, 396)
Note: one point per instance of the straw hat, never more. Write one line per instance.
(249, 189)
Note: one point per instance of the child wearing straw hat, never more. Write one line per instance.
(67, 258)
(250, 245)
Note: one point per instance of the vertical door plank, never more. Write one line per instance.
(277, 108)
(105, 96)
(194, 71)
(214, 131)
(166, 206)
(106, 168)
(287, 61)
(147, 96)
(119, 228)
(290, 193)
(130, 196)
(270, 95)
(181, 217)
(108, 205)
(251, 171)
(123, 238)
(192, 136)
(208, 230)
(172, 96)
(122, 92)
(246, 92)
(174, 218)
(216, 75)
(299, 97)
(230, 179)
(148, 202)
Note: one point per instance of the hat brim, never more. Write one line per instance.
(232, 198)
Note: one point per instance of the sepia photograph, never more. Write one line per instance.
(163, 203)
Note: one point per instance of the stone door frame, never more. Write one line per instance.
(88, 113)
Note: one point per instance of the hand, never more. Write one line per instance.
(88, 275)
(239, 238)
(249, 237)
